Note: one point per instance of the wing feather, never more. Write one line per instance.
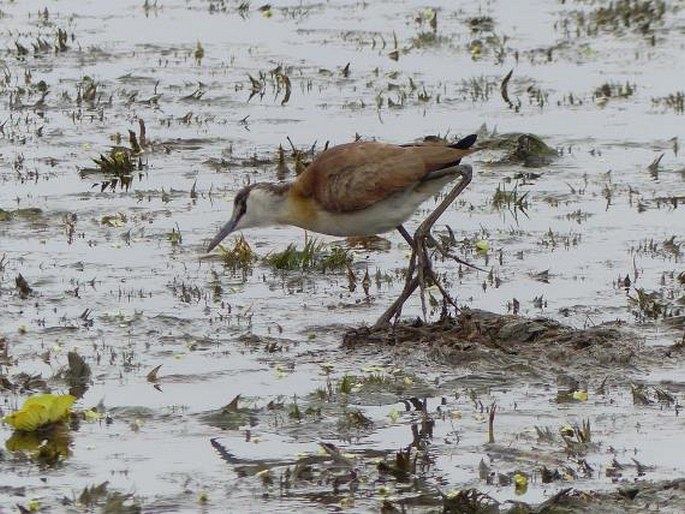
(355, 176)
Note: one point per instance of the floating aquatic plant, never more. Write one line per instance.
(39, 411)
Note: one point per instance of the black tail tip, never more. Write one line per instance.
(466, 142)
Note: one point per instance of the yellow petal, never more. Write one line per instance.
(482, 246)
(520, 483)
(27, 419)
(40, 410)
(581, 396)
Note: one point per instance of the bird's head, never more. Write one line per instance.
(255, 205)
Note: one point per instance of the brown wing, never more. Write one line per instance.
(356, 175)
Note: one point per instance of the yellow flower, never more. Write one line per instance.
(580, 396)
(40, 410)
(482, 246)
(520, 483)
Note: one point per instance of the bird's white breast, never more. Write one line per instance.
(381, 217)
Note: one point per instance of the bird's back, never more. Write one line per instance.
(355, 176)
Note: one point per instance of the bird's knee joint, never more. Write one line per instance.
(420, 236)
(466, 171)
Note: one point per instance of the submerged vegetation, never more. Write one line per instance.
(120, 164)
(238, 257)
(674, 101)
(638, 15)
(314, 256)
(511, 199)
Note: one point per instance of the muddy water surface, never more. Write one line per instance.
(589, 234)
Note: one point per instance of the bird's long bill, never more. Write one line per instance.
(225, 230)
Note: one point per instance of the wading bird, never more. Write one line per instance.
(363, 189)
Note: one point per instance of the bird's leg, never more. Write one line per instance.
(425, 268)
(466, 173)
(420, 254)
(406, 236)
(395, 309)
(422, 269)
(410, 284)
(423, 234)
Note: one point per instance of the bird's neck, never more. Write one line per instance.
(270, 204)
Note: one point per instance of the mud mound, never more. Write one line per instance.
(484, 339)
(664, 496)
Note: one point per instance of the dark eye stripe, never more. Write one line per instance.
(240, 203)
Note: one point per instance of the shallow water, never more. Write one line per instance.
(151, 302)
